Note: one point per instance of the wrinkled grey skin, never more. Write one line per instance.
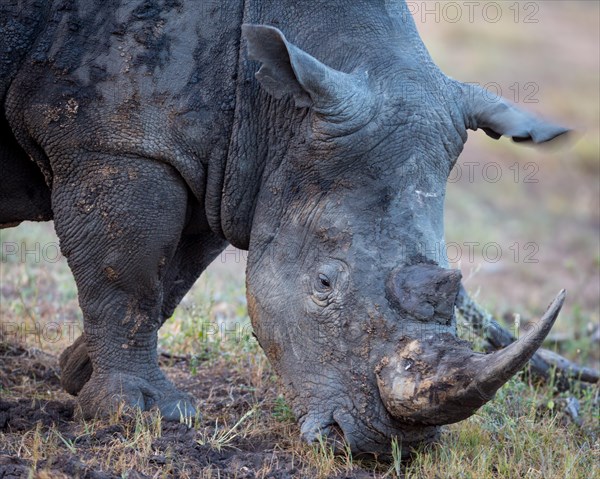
(154, 145)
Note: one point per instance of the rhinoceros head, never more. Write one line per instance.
(348, 293)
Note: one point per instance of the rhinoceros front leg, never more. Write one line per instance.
(194, 253)
(119, 221)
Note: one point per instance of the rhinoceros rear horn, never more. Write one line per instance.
(498, 117)
(288, 70)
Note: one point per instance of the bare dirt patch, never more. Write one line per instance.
(236, 435)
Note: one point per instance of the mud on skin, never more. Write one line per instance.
(162, 131)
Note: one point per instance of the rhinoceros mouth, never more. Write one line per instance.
(329, 431)
(364, 435)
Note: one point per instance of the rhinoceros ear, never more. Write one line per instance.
(498, 117)
(288, 70)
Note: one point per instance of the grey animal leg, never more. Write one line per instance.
(75, 366)
(194, 253)
(120, 221)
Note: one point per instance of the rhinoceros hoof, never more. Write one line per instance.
(104, 394)
(75, 366)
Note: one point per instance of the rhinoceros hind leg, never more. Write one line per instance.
(75, 366)
(196, 250)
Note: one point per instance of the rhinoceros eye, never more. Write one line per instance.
(324, 280)
(326, 286)
(322, 290)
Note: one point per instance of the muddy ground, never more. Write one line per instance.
(68, 448)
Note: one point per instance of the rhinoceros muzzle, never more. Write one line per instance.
(437, 379)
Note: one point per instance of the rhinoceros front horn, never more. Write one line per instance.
(440, 380)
